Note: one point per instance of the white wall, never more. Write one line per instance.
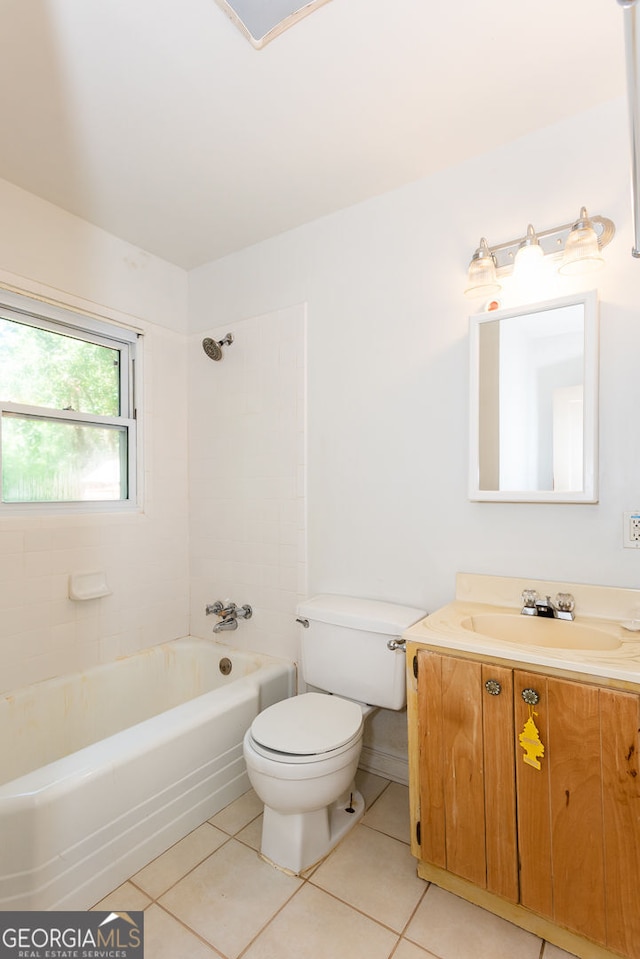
(388, 373)
(387, 398)
(388, 378)
(47, 252)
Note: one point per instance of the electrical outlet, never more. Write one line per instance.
(631, 537)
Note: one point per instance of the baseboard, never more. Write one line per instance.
(387, 765)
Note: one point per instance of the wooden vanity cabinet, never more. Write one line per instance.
(554, 849)
(467, 790)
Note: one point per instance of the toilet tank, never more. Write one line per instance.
(344, 648)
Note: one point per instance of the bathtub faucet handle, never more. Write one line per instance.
(228, 609)
(214, 608)
(222, 609)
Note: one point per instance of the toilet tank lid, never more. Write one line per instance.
(370, 615)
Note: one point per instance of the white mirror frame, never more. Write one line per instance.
(589, 492)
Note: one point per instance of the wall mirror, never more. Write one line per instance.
(534, 403)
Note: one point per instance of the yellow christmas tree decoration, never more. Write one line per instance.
(530, 741)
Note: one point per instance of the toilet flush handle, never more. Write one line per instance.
(397, 644)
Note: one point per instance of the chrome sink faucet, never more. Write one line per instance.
(533, 605)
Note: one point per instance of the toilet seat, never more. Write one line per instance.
(307, 728)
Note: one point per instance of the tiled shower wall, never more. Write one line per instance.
(247, 479)
(144, 554)
(238, 425)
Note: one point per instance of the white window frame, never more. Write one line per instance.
(128, 342)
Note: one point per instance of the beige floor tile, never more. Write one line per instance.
(314, 925)
(370, 785)
(166, 938)
(553, 952)
(126, 898)
(452, 928)
(409, 950)
(179, 859)
(238, 814)
(229, 897)
(353, 873)
(252, 834)
(390, 813)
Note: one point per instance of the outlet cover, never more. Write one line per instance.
(631, 532)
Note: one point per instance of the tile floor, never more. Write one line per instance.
(211, 897)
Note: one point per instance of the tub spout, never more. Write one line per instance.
(227, 622)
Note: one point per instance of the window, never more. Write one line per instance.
(67, 407)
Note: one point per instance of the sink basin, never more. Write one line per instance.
(540, 631)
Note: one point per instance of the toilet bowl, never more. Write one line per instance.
(302, 753)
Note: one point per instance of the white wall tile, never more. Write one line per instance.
(144, 555)
(246, 541)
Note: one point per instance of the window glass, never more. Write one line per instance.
(49, 461)
(68, 415)
(43, 368)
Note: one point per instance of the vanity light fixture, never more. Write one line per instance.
(482, 272)
(530, 248)
(529, 254)
(582, 249)
(577, 244)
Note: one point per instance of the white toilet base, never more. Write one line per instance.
(295, 841)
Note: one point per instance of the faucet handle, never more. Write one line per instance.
(529, 598)
(565, 602)
(216, 608)
(220, 608)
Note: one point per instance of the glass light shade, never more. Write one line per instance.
(581, 251)
(528, 260)
(482, 280)
(528, 256)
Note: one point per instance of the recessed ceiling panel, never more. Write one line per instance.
(262, 20)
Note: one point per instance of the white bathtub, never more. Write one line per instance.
(102, 771)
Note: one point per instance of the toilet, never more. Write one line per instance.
(302, 753)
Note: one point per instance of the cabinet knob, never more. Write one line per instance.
(493, 687)
(530, 696)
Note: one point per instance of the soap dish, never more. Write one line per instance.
(88, 585)
(633, 625)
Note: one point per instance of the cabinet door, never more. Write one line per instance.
(560, 807)
(620, 723)
(463, 769)
(499, 784)
(534, 812)
(467, 795)
(431, 759)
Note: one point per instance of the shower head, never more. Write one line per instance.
(213, 348)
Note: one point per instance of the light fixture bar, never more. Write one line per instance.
(576, 244)
(552, 242)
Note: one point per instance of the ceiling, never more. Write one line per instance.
(159, 122)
